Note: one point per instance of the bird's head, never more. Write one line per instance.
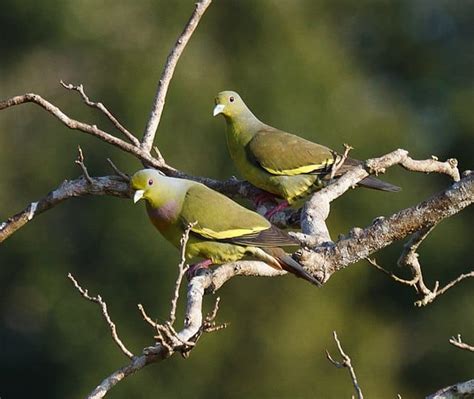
(229, 104)
(144, 182)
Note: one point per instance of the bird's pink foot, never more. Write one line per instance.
(282, 205)
(194, 269)
(264, 197)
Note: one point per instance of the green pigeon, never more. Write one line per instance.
(280, 163)
(222, 230)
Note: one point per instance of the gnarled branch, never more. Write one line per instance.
(194, 322)
(324, 260)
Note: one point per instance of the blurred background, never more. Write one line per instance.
(378, 75)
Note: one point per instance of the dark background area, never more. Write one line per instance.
(378, 75)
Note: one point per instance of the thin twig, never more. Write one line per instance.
(80, 161)
(103, 108)
(409, 258)
(449, 167)
(454, 282)
(182, 268)
(411, 282)
(145, 316)
(97, 299)
(66, 120)
(346, 363)
(158, 155)
(209, 324)
(457, 341)
(103, 185)
(337, 165)
(124, 176)
(167, 74)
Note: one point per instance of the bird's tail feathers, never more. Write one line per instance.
(377, 184)
(290, 265)
(369, 181)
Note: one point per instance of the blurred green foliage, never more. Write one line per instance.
(378, 75)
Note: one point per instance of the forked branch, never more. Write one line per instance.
(458, 342)
(194, 322)
(103, 109)
(346, 363)
(410, 259)
(99, 301)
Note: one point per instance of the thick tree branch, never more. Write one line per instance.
(324, 260)
(167, 74)
(461, 390)
(316, 210)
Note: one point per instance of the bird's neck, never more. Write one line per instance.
(243, 127)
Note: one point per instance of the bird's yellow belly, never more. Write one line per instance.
(217, 252)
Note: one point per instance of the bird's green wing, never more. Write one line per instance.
(217, 217)
(281, 153)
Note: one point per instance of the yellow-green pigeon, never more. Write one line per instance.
(222, 230)
(285, 165)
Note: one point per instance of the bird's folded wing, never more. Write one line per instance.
(281, 153)
(217, 216)
(269, 238)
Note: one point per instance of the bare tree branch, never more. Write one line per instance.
(117, 171)
(105, 111)
(182, 268)
(69, 122)
(98, 300)
(80, 161)
(324, 260)
(461, 390)
(337, 165)
(167, 74)
(346, 363)
(457, 341)
(194, 324)
(104, 185)
(320, 255)
(410, 259)
(145, 316)
(411, 282)
(316, 210)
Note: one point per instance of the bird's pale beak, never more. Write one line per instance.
(218, 109)
(138, 196)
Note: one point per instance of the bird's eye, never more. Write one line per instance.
(231, 99)
(150, 182)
